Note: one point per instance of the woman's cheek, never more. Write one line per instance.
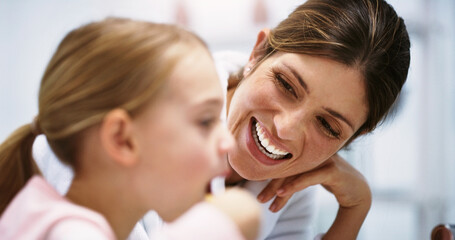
(327, 152)
(318, 149)
(254, 92)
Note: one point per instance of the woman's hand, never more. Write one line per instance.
(341, 179)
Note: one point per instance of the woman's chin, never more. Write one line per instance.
(248, 172)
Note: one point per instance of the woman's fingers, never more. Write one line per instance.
(270, 190)
(293, 184)
(336, 175)
(279, 203)
(284, 188)
(302, 181)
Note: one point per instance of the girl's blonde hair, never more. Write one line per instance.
(114, 63)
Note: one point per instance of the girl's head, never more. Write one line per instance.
(325, 75)
(145, 97)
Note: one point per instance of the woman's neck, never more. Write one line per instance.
(105, 199)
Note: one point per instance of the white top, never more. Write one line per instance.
(290, 223)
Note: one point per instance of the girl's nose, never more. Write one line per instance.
(227, 141)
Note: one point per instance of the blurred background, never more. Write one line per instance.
(409, 162)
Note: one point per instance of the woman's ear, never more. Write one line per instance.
(258, 50)
(117, 137)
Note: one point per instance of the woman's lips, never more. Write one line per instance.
(266, 142)
(252, 145)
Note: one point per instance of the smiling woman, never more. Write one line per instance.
(325, 75)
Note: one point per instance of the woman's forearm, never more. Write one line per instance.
(348, 222)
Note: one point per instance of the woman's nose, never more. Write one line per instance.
(289, 124)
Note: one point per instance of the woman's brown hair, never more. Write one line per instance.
(114, 63)
(365, 34)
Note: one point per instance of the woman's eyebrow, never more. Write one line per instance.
(299, 78)
(339, 116)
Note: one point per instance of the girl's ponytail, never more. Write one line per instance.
(16, 163)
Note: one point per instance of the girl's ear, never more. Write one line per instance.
(117, 137)
(258, 50)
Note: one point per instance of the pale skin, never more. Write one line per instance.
(147, 157)
(309, 107)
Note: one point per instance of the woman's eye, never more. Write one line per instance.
(285, 85)
(327, 128)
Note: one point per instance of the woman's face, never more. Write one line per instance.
(292, 113)
(183, 142)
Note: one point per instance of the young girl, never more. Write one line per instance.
(134, 108)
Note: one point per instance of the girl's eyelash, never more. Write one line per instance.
(327, 128)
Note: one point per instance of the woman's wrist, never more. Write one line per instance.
(348, 222)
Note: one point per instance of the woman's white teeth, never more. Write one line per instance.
(265, 143)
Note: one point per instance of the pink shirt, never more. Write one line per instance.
(39, 212)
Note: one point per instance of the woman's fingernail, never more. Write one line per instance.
(273, 207)
(280, 191)
(261, 198)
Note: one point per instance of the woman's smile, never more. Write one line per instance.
(263, 146)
